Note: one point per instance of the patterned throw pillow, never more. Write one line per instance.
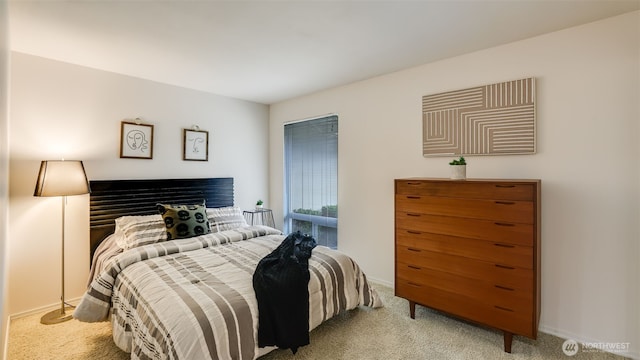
(226, 218)
(184, 221)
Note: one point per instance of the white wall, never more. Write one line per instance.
(588, 132)
(4, 170)
(63, 110)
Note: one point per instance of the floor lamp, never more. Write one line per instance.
(61, 178)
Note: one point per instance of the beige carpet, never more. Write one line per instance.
(387, 334)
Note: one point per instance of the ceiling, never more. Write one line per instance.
(268, 51)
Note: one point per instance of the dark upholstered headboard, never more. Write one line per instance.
(111, 199)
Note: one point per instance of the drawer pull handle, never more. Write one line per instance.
(504, 224)
(413, 183)
(505, 202)
(414, 284)
(410, 214)
(413, 197)
(505, 186)
(504, 245)
(414, 249)
(505, 267)
(414, 232)
(414, 267)
(503, 308)
(504, 288)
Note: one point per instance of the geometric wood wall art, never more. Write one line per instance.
(497, 119)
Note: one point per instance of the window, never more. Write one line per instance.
(311, 179)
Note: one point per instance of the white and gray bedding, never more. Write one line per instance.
(193, 298)
(107, 250)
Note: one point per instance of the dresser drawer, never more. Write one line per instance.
(517, 322)
(487, 291)
(498, 210)
(488, 251)
(496, 273)
(469, 189)
(499, 231)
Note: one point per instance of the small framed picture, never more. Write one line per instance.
(196, 145)
(136, 140)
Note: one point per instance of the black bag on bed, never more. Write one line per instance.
(281, 282)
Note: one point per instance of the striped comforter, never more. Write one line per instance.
(194, 299)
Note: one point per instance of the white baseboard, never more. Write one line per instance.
(381, 282)
(563, 334)
(42, 309)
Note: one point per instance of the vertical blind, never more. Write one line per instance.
(311, 178)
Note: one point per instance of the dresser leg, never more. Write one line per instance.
(412, 309)
(508, 338)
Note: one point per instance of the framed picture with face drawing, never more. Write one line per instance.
(195, 145)
(136, 140)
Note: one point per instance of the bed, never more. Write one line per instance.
(193, 298)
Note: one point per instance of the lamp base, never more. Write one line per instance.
(57, 316)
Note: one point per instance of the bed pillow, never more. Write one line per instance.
(184, 221)
(226, 218)
(134, 231)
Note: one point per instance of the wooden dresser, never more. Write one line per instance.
(471, 248)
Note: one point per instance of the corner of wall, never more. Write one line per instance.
(4, 167)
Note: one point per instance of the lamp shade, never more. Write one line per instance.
(61, 178)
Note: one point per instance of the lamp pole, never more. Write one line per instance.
(64, 215)
(56, 316)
